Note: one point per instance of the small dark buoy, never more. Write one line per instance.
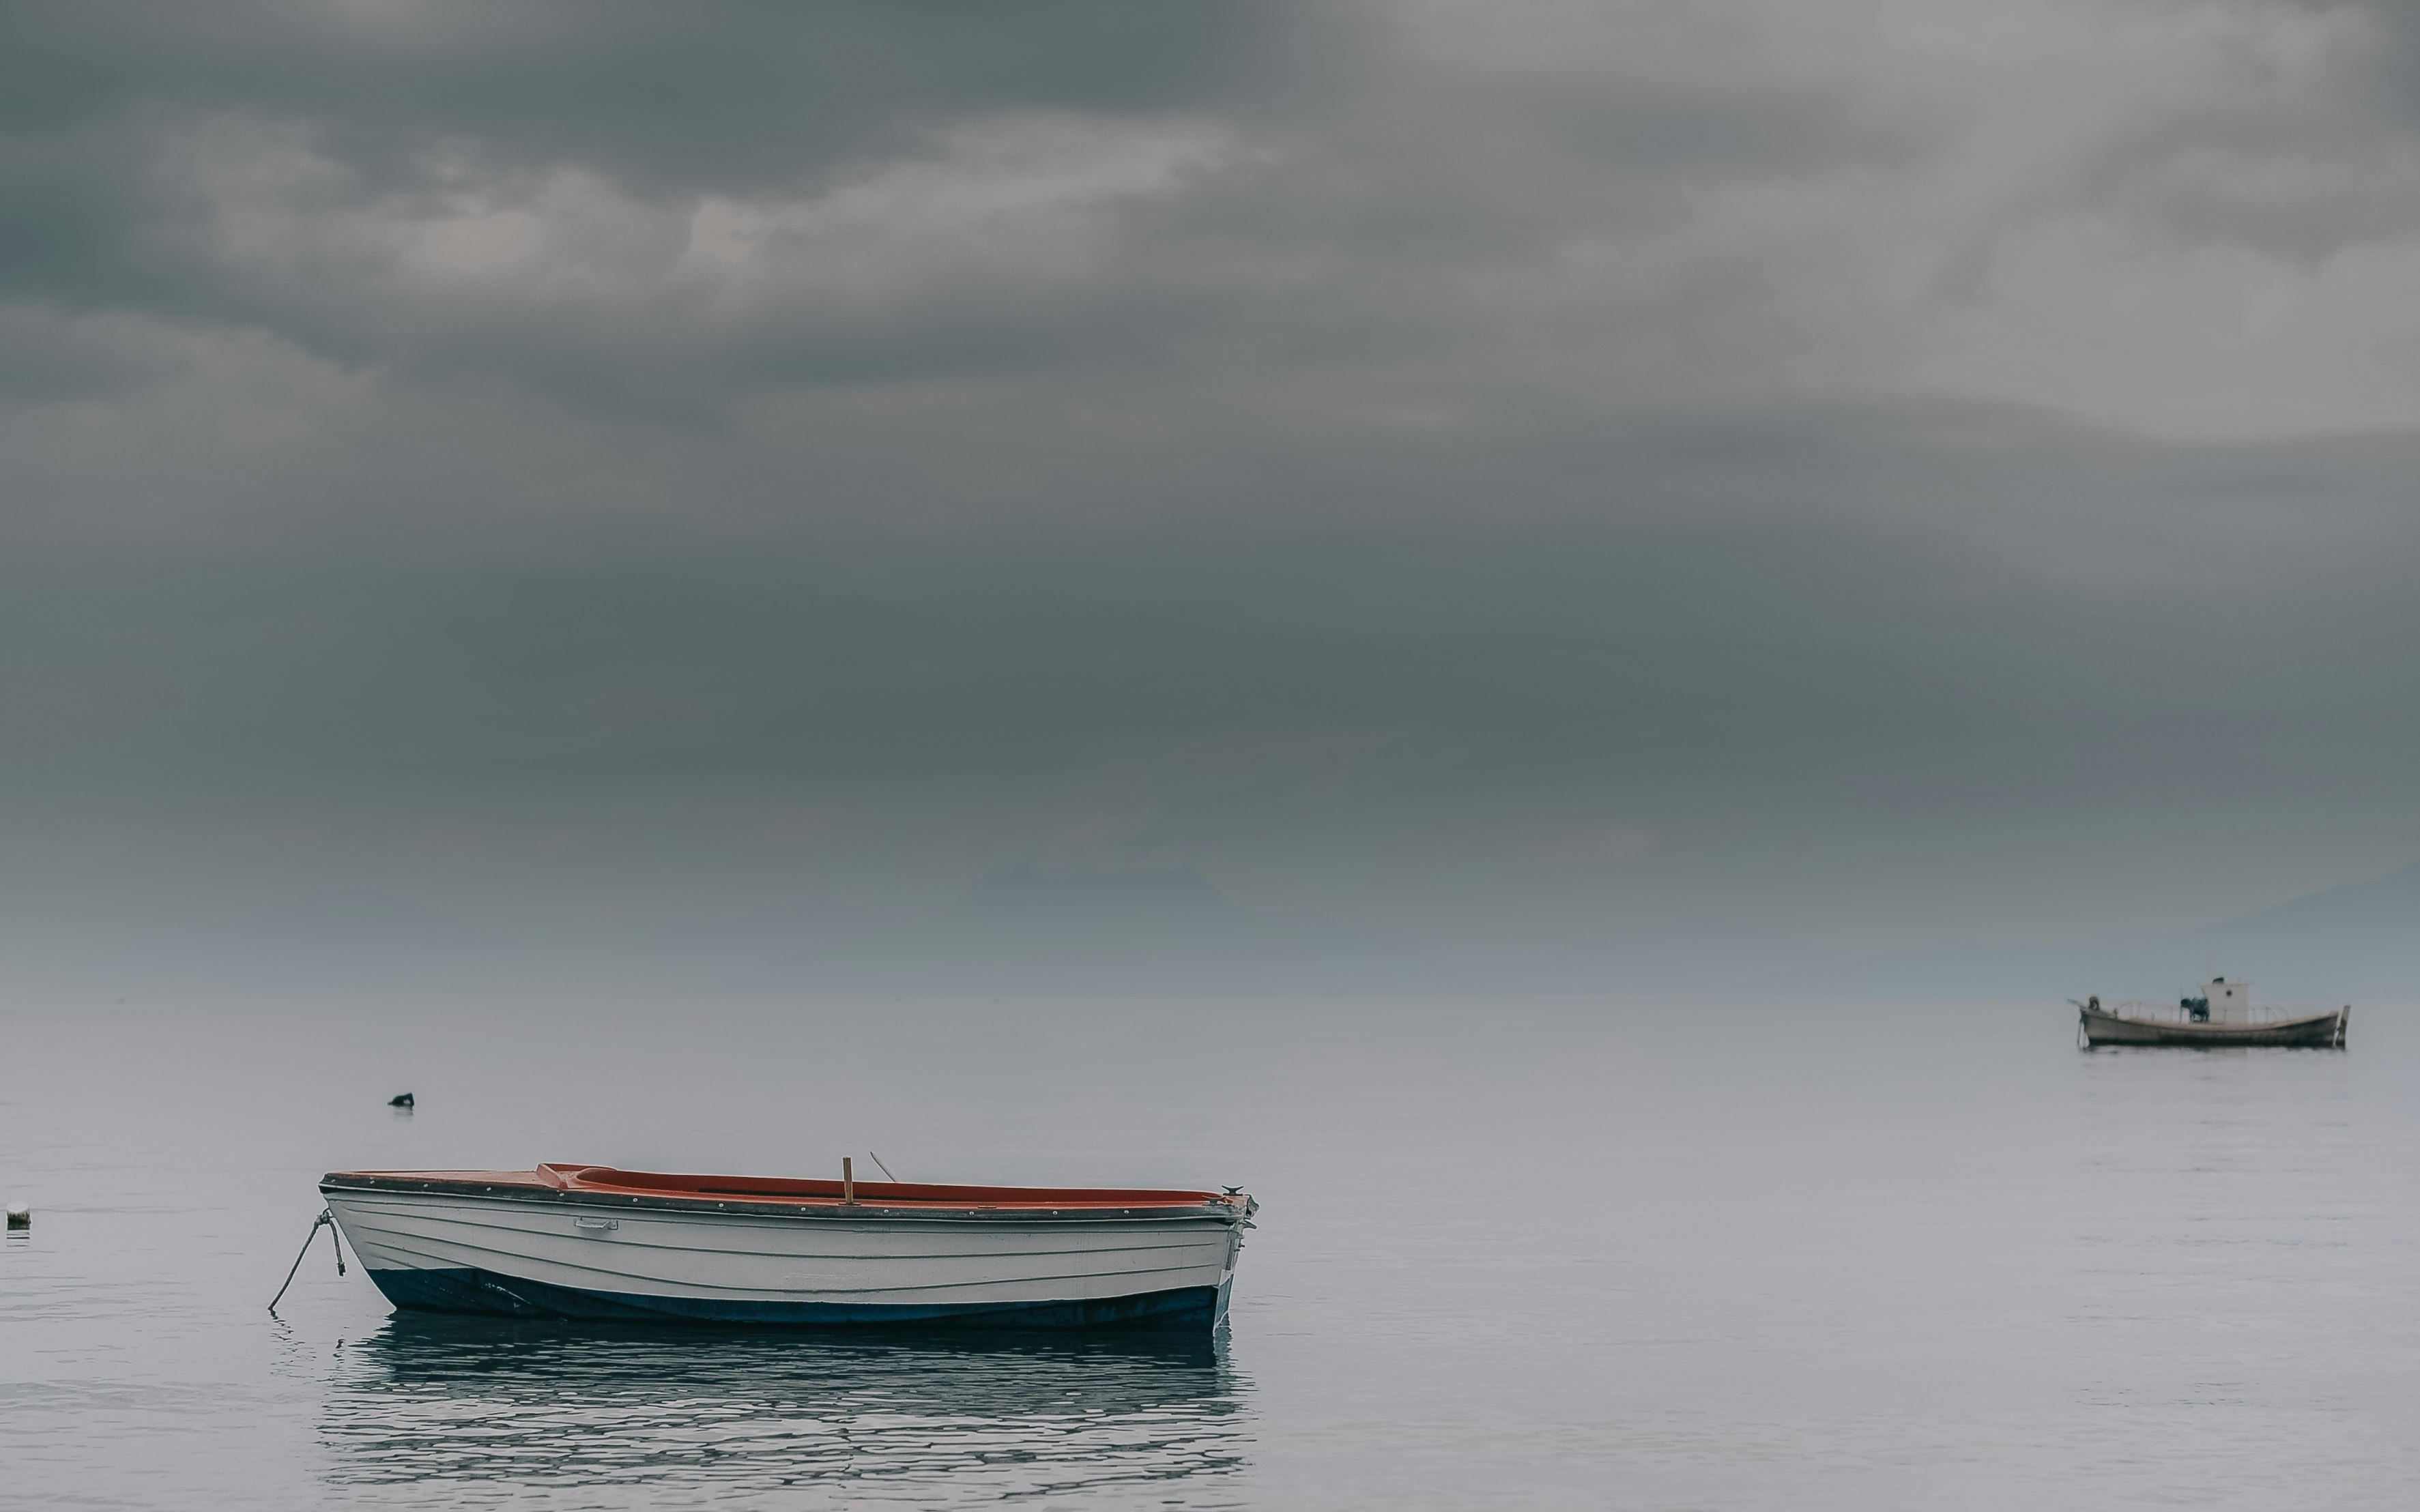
(20, 1216)
(401, 1101)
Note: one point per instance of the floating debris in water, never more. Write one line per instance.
(403, 1101)
(20, 1215)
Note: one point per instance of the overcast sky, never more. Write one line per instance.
(1885, 469)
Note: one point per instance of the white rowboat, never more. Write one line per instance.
(594, 1243)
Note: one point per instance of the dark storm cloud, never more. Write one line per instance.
(1685, 624)
(2296, 157)
(1488, 460)
(726, 97)
(266, 163)
(632, 212)
(649, 214)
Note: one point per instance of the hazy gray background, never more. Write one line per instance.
(1104, 494)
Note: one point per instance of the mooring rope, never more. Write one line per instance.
(326, 1220)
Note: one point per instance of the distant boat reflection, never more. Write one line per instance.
(436, 1402)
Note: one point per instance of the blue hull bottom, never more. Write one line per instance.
(501, 1296)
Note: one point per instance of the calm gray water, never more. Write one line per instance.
(1623, 1254)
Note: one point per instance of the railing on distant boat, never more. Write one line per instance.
(2145, 1010)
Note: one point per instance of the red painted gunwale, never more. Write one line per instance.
(605, 1180)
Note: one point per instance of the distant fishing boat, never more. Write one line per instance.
(2220, 1013)
(589, 1242)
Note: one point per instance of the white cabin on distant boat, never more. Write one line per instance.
(2230, 1002)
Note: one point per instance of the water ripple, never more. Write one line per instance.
(472, 1411)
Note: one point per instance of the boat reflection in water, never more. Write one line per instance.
(457, 1406)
